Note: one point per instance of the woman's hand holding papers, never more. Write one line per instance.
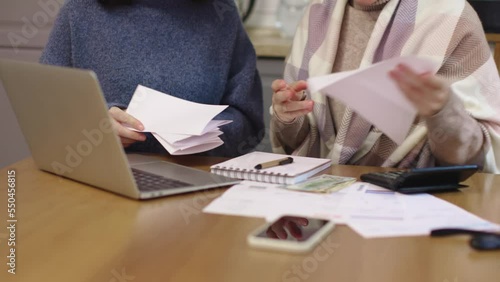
(120, 121)
(427, 92)
(288, 100)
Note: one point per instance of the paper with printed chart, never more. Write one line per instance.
(371, 93)
(182, 127)
(370, 210)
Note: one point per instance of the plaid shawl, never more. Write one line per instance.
(428, 28)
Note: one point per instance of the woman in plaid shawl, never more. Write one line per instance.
(458, 107)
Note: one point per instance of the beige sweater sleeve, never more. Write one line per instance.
(454, 136)
(289, 135)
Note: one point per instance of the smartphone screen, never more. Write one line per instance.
(292, 228)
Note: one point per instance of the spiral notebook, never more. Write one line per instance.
(243, 167)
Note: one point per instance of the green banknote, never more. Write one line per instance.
(323, 184)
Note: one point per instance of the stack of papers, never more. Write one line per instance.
(181, 126)
(370, 210)
(374, 95)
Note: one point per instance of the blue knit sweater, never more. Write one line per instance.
(195, 51)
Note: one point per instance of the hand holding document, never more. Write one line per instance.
(182, 127)
(374, 95)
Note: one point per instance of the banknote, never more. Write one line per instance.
(323, 184)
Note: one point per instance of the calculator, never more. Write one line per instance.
(422, 180)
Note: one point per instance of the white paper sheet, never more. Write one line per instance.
(374, 95)
(257, 199)
(423, 214)
(182, 127)
(197, 140)
(189, 140)
(174, 150)
(212, 126)
(158, 111)
(370, 210)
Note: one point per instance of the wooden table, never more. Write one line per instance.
(495, 38)
(67, 231)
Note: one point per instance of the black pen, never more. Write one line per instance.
(284, 161)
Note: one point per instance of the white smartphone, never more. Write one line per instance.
(291, 233)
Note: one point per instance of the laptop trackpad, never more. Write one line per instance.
(182, 173)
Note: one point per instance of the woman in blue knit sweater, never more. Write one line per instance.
(192, 49)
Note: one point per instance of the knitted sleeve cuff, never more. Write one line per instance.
(118, 105)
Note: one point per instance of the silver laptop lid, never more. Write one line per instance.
(63, 116)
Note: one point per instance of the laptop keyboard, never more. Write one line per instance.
(151, 182)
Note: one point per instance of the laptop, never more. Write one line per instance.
(64, 118)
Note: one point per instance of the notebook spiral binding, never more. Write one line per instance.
(250, 174)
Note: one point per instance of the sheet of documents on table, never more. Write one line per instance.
(181, 126)
(368, 209)
(423, 213)
(374, 95)
(258, 199)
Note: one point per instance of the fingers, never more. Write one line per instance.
(407, 79)
(126, 142)
(283, 92)
(287, 95)
(282, 96)
(409, 84)
(288, 102)
(127, 136)
(427, 92)
(278, 85)
(124, 118)
(416, 82)
(290, 116)
(298, 86)
(288, 111)
(411, 93)
(126, 133)
(293, 106)
(432, 81)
